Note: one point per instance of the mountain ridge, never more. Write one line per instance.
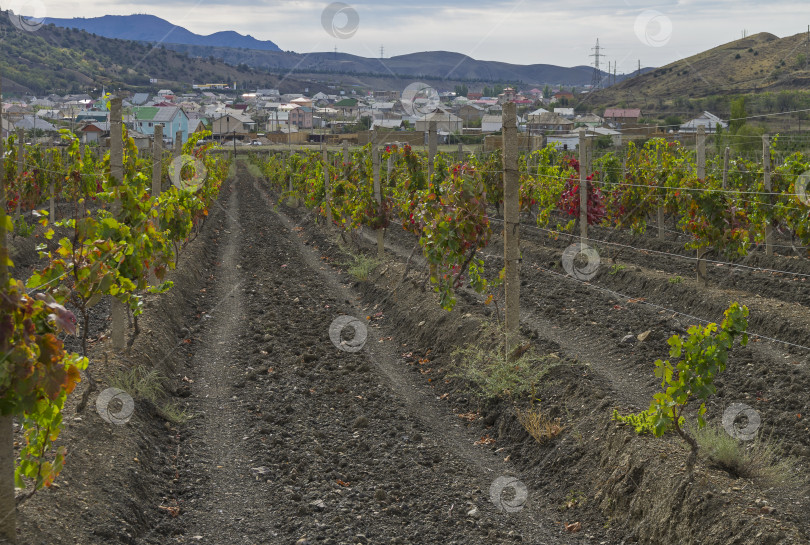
(235, 49)
(144, 27)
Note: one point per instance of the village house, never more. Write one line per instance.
(589, 120)
(56, 115)
(707, 120)
(233, 125)
(549, 122)
(445, 122)
(302, 101)
(94, 132)
(470, 112)
(387, 96)
(508, 95)
(348, 108)
(491, 123)
(567, 113)
(533, 116)
(301, 117)
(278, 121)
(622, 115)
(172, 118)
(31, 122)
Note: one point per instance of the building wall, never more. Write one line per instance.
(530, 143)
(411, 138)
(441, 125)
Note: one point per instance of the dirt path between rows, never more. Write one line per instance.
(292, 440)
(295, 441)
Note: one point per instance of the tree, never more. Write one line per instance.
(738, 115)
(547, 91)
(672, 121)
(461, 90)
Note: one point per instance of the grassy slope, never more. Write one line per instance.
(765, 63)
(63, 60)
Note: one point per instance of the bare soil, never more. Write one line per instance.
(292, 440)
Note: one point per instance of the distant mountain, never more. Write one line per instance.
(64, 60)
(148, 28)
(238, 50)
(429, 65)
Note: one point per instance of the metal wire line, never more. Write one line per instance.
(658, 252)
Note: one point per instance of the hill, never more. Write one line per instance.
(236, 49)
(758, 63)
(64, 60)
(429, 65)
(149, 28)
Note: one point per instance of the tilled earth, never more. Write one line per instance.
(294, 439)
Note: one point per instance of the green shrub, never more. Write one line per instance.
(140, 382)
(704, 354)
(361, 266)
(497, 375)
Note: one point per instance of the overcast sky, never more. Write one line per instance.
(561, 32)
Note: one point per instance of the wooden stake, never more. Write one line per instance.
(8, 507)
(375, 161)
(432, 145)
(701, 174)
(701, 152)
(157, 162)
(511, 212)
(766, 168)
(583, 185)
(20, 164)
(327, 184)
(660, 206)
(178, 143)
(726, 158)
(119, 312)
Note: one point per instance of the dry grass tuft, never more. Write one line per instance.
(538, 425)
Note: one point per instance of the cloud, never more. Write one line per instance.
(522, 31)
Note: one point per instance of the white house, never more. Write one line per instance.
(278, 121)
(707, 120)
(567, 113)
(491, 123)
(564, 142)
(445, 121)
(615, 136)
(535, 114)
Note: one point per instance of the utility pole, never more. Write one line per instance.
(596, 80)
